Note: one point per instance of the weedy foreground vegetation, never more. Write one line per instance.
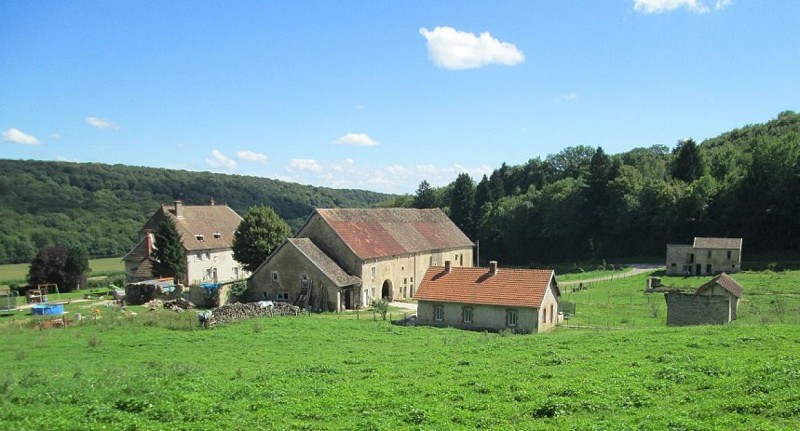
(160, 371)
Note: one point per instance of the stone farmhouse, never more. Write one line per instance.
(713, 303)
(345, 258)
(706, 256)
(521, 300)
(207, 235)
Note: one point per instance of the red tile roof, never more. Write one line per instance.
(384, 232)
(508, 287)
(726, 282)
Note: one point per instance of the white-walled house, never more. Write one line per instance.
(207, 235)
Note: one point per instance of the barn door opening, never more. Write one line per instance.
(386, 291)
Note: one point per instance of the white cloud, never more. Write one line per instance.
(249, 156)
(722, 4)
(309, 165)
(101, 123)
(571, 97)
(19, 137)
(393, 178)
(453, 49)
(356, 140)
(220, 161)
(660, 6)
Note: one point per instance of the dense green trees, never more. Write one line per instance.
(582, 203)
(65, 267)
(103, 207)
(170, 256)
(260, 232)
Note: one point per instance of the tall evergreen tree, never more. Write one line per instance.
(170, 254)
(261, 231)
(76, 268)
(497, 186)
(425, 197)
(462, 204)
(689, 164)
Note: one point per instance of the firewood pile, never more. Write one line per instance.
(178, 304)
(239, 311)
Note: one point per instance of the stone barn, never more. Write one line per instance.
(520, 300)
(345, 258)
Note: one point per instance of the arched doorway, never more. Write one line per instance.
(386, 291)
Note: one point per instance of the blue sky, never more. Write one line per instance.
(381, 95)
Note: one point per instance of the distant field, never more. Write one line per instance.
(16, 273)
(334, 372)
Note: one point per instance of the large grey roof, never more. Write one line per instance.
(325, 264)
(718, 243)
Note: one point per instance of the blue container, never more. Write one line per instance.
(47, 309)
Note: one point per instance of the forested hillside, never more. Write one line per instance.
(582, 203)
(102, 207)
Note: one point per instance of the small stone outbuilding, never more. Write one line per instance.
(713, 303)
(521, 300)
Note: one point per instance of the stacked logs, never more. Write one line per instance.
(239, 311)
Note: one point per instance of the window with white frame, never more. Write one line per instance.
(511, 318)
(438, 313)
(275, 276)
(282, 296)
(466, 314)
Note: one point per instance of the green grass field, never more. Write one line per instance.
(158, 370)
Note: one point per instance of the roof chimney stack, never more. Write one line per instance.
(447, 267)
(493, 267)
(178, 207)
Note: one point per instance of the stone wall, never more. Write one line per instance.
(687, 309)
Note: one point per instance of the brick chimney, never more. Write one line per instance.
(447, 267)
(178, 207)
(493, 267)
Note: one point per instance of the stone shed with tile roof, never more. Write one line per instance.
(207, 235)
(705, 256)
(723, 285)
(521, 300)
(387, 250)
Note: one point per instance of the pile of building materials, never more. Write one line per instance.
(240, 311)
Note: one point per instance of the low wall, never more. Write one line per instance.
(688, 309)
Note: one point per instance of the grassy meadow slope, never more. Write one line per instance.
(158, 370)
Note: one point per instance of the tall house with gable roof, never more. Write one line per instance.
(345, 258)
(207, 235)
(706, 256)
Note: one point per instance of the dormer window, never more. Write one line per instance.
(217, 235)
(199, 237)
